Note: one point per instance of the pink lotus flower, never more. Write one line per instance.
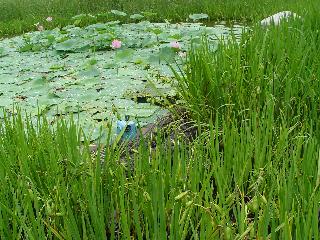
(49, 19)
(175, 45)
(116, 44)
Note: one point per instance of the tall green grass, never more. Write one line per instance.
(278, 65)
(18, 16)
(259, 184)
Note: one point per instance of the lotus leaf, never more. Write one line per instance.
(76, 71)
(72, 45)
(124, 55)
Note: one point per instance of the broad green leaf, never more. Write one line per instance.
(72, 45)
(124, 55)
(165, 55)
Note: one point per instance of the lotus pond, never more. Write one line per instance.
(76, 70)
(241, 162)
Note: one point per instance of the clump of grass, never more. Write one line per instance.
(278, 64)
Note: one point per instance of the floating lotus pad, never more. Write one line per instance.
(74, 70)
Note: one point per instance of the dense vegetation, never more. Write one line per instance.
(20, 16)
(253, 171)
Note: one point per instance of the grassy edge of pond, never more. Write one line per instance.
(276, 64)
(20, 16)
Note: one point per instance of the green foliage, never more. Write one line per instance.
(246, 181)
(20, 16)
(253, 172)
(124, 55)
(72, 45)
(278, 65)
(76, 70)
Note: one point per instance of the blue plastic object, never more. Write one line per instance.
(130, 127)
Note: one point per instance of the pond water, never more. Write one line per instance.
(74, 70)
